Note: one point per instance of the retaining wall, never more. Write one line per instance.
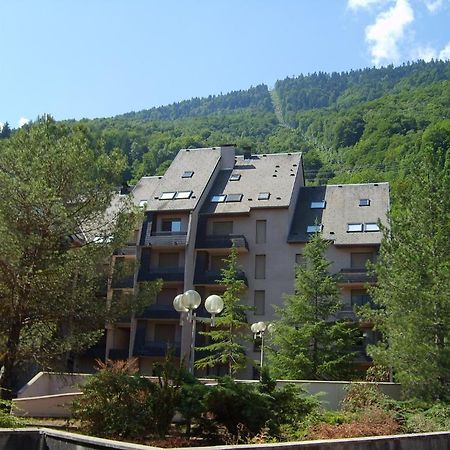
(47, 439)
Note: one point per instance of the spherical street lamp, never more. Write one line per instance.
(259, 329)
(189, 302)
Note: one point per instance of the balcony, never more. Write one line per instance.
(128, 250)
(142, 347)
(118, 353)
(223, 241)
(123, 282)
(355, 276)
(166, 274)
(156, 311)
(166, 239)
(211, 277)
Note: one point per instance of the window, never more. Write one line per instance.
(371, 227)
(218, 198)
(261, 231)
(259, 303)
(364, 202)
(235, 177)
(234, 198)
(354, 227)
(217, 263)
(359, 260)
(171, 225)
(318, 205)
(260, 267)
(143, 203)
(164, 332)
(360, 297)
(183, 195)
(167, 196)
(187, 174)
(264, 196)
(222, 228)
(166, 296)
(314, 228)
(168, 260)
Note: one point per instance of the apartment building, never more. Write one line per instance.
(210, 199)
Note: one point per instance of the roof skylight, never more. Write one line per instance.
(314, 228)
(183, 195)
(364, 202)
(264, 196)
(187, 174)
(218, 198)
(318, 205)
(354, 227)
(235, 177)
(371, 227)
(234, 198)
(167, 195)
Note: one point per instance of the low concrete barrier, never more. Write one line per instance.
(48, 394)
(47, 439)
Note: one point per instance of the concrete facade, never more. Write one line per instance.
(210, 198)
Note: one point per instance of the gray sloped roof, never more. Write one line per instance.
(341, 208)
(272, 173)
(143, 190)
(202, 162)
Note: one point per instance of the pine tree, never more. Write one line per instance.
(231, 327)
(306, 342)
(413, 269)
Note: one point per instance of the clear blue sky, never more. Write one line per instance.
(97, 58)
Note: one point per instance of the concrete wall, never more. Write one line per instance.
(51, 395)
(47, 439)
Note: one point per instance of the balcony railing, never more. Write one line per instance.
(126, 282)
(128, 250)
(168, 274)
(157, 311)
(167, 239)
(223, 241)
(118, 353)
(359, 276)
(213, 277)
(156, 348)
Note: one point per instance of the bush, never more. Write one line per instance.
(240, 407)
(115, 402)
(372, 422)
(360, 396)
(428, 419)
(6, 419)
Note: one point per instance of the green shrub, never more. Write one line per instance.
(428, 419)
(115, 402)
(240, 407)
(6, 419)
(360, 396)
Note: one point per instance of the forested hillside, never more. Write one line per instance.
(356, 126)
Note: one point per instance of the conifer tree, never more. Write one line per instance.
(307, 343)
(231, 326)
(413, 270)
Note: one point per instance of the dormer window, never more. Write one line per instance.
(354, 227)
(314, 228)
(235, 177)
(318, 205)
(187, 174)
(364, 202)
(218, 198)
(167, 196)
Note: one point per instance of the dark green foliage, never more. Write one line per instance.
(413, 274)
(231, 327)
(115, 402)
(307, 344)
(6, 419)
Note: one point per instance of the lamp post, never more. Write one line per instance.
(188, 303)
(259, 329)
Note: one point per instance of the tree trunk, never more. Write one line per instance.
(7, 376)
